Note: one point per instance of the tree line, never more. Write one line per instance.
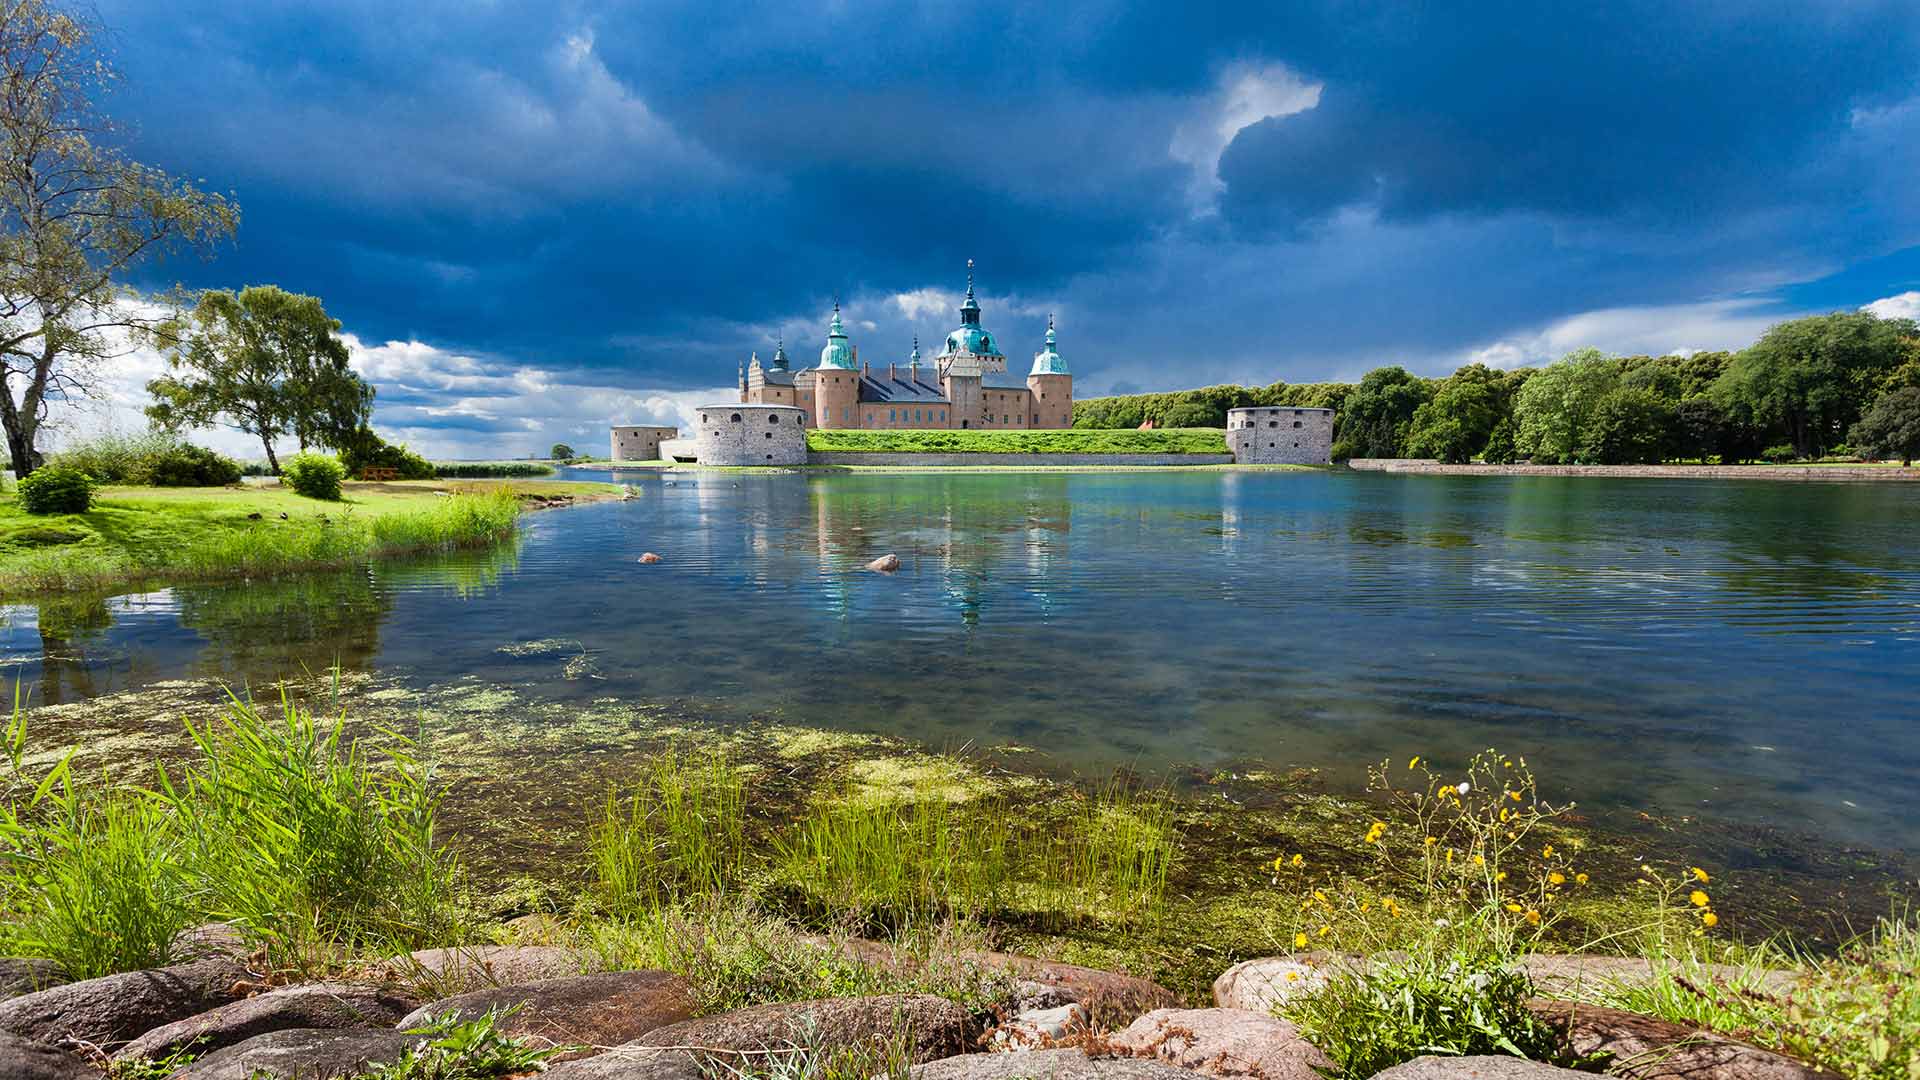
(1840, 384)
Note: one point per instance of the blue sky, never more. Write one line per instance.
(538, 218)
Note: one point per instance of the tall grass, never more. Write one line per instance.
(1111, 859)
(487, 470)
(680, 835)
(311, 843)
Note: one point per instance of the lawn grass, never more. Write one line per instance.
(137, 536)
(1162, 441)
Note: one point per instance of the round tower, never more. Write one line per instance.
(751, 435)
(836, 382)
(1051, 385)
(1280, 436)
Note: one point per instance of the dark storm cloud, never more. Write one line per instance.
(643, 191)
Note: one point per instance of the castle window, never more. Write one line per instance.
(736, 418)
(1273, 423)
(890, 415)
(769, 434)
(773, 418)
(943, 416)
(1296, 423)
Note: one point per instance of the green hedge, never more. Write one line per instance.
(1163, 441)
(487, 470)
(1208, 404)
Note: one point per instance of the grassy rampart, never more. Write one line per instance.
(136, 536)
(1165, 441)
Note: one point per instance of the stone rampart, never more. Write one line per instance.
(1280, 435)
(857, 457)
(750, 435)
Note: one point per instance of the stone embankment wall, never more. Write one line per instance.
(751, 435)
(882, 458)
(1280, 436)
(1665, 472)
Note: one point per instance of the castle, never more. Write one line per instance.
(967, 385)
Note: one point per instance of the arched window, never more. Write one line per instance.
(736, 418)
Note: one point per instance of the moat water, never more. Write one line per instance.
(1746, 651)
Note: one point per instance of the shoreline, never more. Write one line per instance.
(1843, 473)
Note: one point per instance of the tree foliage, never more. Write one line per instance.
(1810, 379)
(1457, 423)
(561, 452)
(1891, 428)
(75, 217)
(1629, 426)
(266, 361)
(1380, 412)
(1552, 411)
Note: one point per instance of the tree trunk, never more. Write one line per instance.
(273, 463)
(19, 429)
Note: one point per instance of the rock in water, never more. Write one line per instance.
(330, 1006)
(22, 1059)
(885, 564)
(584, 1010)
(649, 559)
(1048, 1065)
(112, 1009)
(1224, 1042)
(302, 1054)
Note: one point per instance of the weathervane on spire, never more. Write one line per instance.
(969, 279)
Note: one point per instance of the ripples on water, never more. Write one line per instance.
(1749, 650)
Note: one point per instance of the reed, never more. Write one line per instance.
(680, 835)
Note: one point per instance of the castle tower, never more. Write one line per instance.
(970, 353)
(1051, 385)
(836, 382)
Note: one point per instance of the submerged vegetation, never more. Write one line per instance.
(1162, 441)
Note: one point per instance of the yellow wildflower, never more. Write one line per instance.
(1279, 861)
(1325, 930)
(1547, 852)
(1698, 898)
(1320, 896)
(1580, 879)
(1514, 795)
(1708, 918)
(1300, 940)
(1515, 908)
(1449, 856)
(1700, 876)
(1298, 861)
(1533, 917)
(1501, 876)
(1412, 761)
(1503, 814)
(1294, 976)
(1556, 878)
(1479, 860)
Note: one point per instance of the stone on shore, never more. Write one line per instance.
(581, 1010)
(108, 1011)
(885, 564)
(302, 1054)
(1048, 1065)
(24, 1059)
(331, 1006)
(1557, 975)
(474, 967)
(933, 1026)
(1031, 1028)
(1263, 984)
(1111, 999)
(24, 975)
(1476, 1068)
(1223, 1042)
(1649, 1049)
(632, 1063)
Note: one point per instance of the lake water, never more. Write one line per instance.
(1745, 651)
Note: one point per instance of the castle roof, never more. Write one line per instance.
(837, 353)
(1047, 361)
(882, 387)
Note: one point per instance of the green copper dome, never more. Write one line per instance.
(1047, 361)
(780, 354)
(837, 353)
(970, 337)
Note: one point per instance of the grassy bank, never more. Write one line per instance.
(1164, 441)
(138, 536)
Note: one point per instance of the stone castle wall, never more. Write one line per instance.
(1280, 436)
(751, 435)
(632, 442)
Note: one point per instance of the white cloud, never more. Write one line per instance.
(1904, 305)
(1245, 95)
(1651, 331)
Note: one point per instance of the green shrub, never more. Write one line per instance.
(489, 470)
(155, 459)
(54, 489)
(1779, 455)
(316, 476)
(365, 449)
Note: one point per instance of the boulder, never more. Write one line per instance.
(108, 1011)
(1035, 1027)
(1111, 999)
(1048, 1065)
(582, 1010)
(885, 564)
(211, 939)
(632, 1063)
(1476, 1068)
(302, 1054)
(472, 967)
(934, 1026)
(331, 1006)
(24, 975)
(1645, 1048)
(1561, 976)
(23, 1059)
(1262, 985)
(649, 558)
(1223, 1042)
